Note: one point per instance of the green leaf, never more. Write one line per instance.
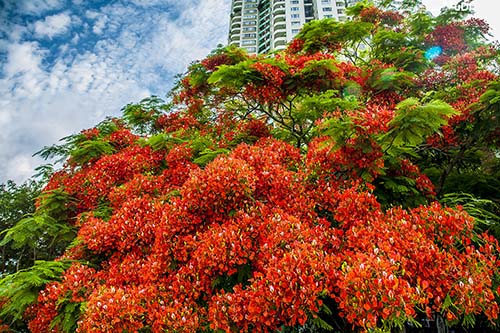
(163, 141)
(54, 203)
(313, 107)
(321, 35)
(484, 211)
(340, 130)
(391, 79)
(67, 319)
(413, 123)
(235, 76)
(89, 150)
(49, 152)
(31, 230)
(21, 289)
(143, 115)
(318, 322)
(448, 302)
(208, 155)
(487, 111)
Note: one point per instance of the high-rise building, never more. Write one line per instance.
(263, 25)
(260, 26)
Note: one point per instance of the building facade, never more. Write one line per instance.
(260, 26)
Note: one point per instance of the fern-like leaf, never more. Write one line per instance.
(21, 289)
(413, 123)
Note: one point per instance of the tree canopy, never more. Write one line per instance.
(345, 183)
(16, 203)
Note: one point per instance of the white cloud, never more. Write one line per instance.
(23, 57)
(100, 24)
(169, 44)
(147, 3)
(42, 105)
(16, 32)
(47, 95)
(100, 21)
(21, 166)
(52, 25)
(35, 7)
(23, 69)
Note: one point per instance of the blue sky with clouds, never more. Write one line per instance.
(67, 64)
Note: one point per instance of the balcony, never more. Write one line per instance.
(278, 5)
(237, 6)
(279, 26)
(236, 17)
(279, 18)
(279, 34)
(280, 12)
(280, 43)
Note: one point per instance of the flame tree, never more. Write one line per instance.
(301, 190)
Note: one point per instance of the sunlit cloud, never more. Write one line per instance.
(52, 25)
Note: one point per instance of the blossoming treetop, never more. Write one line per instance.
(279, 191)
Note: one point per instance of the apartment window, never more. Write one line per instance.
(251, 49)
(248, 42)
(249, 35)
(250, 16)
(326, 2)
(251, 5)
(249, 23)
(295, 2)
(327, 9)
(294, 9)
(250, 29)
(295, 16)
(295, 31)
(309, 11)
(251, 11)
(340, 11)
(295, 23)
(327, 16)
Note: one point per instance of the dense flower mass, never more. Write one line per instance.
(251, 242)
(290, 191)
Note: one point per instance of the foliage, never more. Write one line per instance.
(413, 123)
(22, 287)
(16, 202)
(485, 212)
(142, 116)
(282, 192)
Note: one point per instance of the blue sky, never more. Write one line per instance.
(67, 64)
